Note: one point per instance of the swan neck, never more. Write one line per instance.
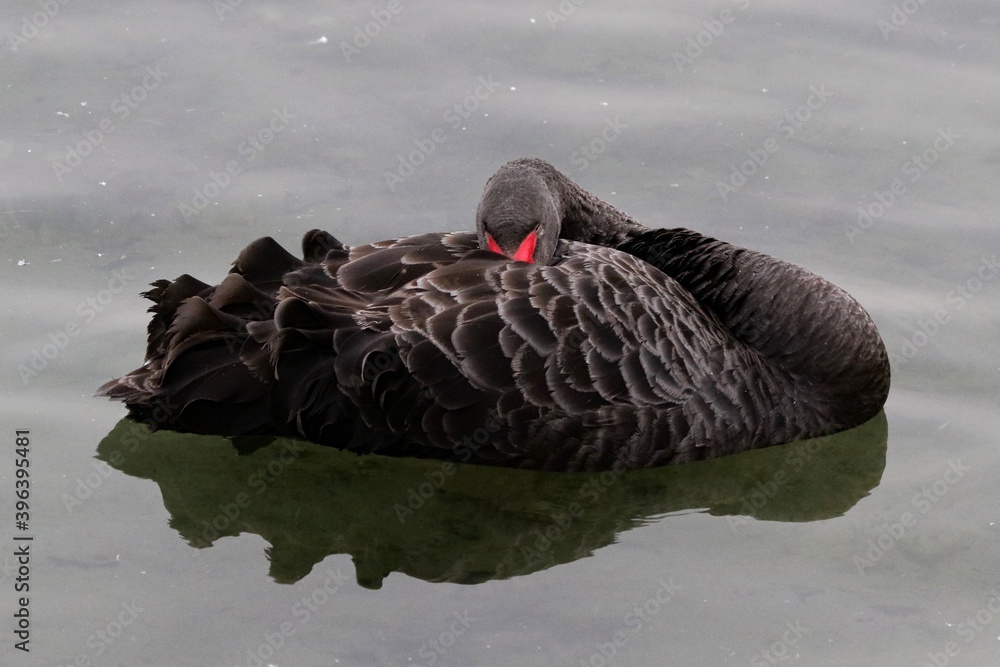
(589, 219)
(801, 323)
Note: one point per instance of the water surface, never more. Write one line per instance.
(145, 140)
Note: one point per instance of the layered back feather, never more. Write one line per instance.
(429, 346)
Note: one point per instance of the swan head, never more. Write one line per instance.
(519, 215)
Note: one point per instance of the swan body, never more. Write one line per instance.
(613, 346)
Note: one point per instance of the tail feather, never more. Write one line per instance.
(216, 355)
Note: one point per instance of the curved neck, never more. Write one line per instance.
(591, 220)
(802, 323)
(584, 217)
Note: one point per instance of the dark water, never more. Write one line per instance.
(144, 140)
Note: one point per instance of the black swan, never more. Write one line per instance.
(563, 335)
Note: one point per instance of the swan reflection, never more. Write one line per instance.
(442, 521)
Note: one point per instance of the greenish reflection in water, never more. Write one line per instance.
(442, 521)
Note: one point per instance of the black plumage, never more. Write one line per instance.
(668, 347)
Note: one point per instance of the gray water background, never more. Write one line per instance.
(649, 105)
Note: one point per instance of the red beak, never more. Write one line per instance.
(525, 251)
